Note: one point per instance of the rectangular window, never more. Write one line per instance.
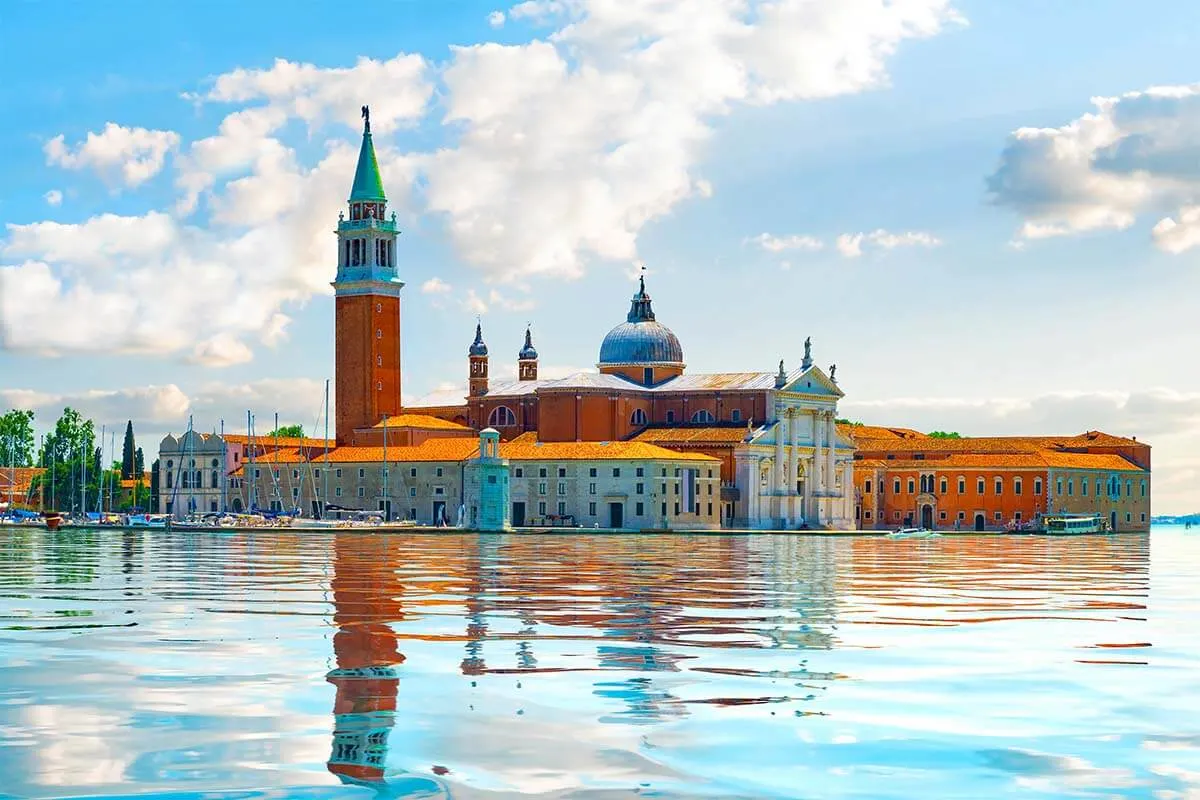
(257, 473)
(866, 487)
(1037, 487)
(1058, 487)
(1083, 486)
(664, 488)
(1099, 491)
(562, 508)
(362, 473)
(562, 472)
(941, 515)
(639, 472)
(1143, 516)
(1128, 517)
(867, 515)
(1143, 495)
(1128, 491)
(541, 487)
(592, 509)
(616, 472)
(275, 472)
(337, 473)
(962, 515)
(710, 509)
(412, 472)
(979, 486)
(999, 486)
(677, 509)
(362, 491)
(1017, 516)
(592, 472)
(896, 486)
(412, 491)
(541, 472)
(439, 472)
(591, 488)
(998, 516)
(337, 492)
(542, 508)
(295, 493)
(639, 489)
(640, 509)
(942, 486)
(664, 509)
(562, 488)
(412, 513)
(710, 488)
(1071, 488)
(439, 490)
(519, 472)
(911, 485)
(316, 474)
(664, 472)
(295, 474)
(962, 485)
(896, 514)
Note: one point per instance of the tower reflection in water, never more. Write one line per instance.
(367, 596)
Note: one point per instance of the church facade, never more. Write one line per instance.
(748, 449)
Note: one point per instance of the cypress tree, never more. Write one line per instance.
(127, 453)
(139, 464)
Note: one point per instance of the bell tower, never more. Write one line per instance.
(478, 358)
(527, 359)
(367, 302)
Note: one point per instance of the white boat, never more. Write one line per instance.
(1074, 524)
(912, 533)
(148, 521)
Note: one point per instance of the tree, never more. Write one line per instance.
(127, 452)
(944, 435)
(154, 486)
(64, 453)
(139, 464)
(844, 421)
(16, 438)
(288, 432)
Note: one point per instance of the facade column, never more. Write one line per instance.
(794, 515)
(831, 455)
(753, 489)
(777, 475)
(818, 467)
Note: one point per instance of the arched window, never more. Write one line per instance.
(670, 416)
(638, 418)
(703, 415)
(214, 463)
(170, 464)
(501, 417)
(214, 479)
(735, 415)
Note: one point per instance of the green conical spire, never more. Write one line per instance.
(368, 186)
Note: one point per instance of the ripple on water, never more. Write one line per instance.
(278, 665)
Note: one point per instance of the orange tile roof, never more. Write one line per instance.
(271, 442)
(1108, 462)
(872, 463)
(707, 435)
(594, 451)
(291, 455)
(858, 431)
(456, 449)
(16, 481)
(527, 436)
(422, 421)
(1039, 460)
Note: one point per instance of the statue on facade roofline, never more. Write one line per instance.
(833, 372)
(807, 347)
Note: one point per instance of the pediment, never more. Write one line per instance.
(813, 381)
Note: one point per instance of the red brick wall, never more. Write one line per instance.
(367, 362)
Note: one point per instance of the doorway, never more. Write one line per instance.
(439, 512)
(518, 514)
(386, 507)
(616, 515)
(1112, 521)
(927, 517)
(979, 522)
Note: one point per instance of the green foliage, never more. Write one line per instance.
(66, 452)
(127, 450)
(139, 464)
(154, 489)
(844, 421)
(288, 432)
(16, 438)
(944, 435)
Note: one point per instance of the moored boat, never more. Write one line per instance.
(1073, 524)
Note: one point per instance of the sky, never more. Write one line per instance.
(986, 214)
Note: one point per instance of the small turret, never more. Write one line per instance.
(478, 358)
(527, 359)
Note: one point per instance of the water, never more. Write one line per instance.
(354, 666)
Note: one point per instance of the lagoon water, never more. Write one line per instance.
(354, 666)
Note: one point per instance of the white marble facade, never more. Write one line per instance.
(795, 470)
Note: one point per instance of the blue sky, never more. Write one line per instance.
(1011, 284)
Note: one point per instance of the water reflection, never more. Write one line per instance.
(400, 666)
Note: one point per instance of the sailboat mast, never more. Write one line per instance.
(325, 474)
(253, 475)
(224, 470)
(387, 497)
(84, 456)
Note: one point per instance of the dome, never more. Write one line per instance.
(641, 339)
(527, 352)
(478, 348)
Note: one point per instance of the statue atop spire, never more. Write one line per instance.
(368, 184)
(366, 115)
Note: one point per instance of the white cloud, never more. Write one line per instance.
(221, 350)
(132, 155)
(777, 244)
(1166, 419)
(496, 19)
(398, 90)
(1135, 154)
(154, 405)
(53, 197)
(851, 245)
(474, 303)
(569, 145)
(435, 285)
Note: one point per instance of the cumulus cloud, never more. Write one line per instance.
(851, 245)
(129, 155)
(53, 197)
(155, 405)
(1135, 154)
(435, 285)
(777, 244)
(570, 144)
(496, 19)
